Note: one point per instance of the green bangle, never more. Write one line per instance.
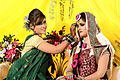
(71, 38)
(68, 40)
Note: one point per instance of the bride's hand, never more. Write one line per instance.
(60, 78)
(80, 78)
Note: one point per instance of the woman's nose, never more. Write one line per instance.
(79, 27)
(45, 24)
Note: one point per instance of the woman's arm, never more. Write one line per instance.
(49, 48)
(69, 68)
(68, 71)
(102, 67)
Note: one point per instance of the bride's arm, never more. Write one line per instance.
(101, 70)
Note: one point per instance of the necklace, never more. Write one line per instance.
(84, 45)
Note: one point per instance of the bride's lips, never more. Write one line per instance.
(80, 31)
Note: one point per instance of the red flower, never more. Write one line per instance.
(57, 38)
(75, 56)
(74, 63)
(0, 46)
(8, 56)
(69, 47)
(11, 51)
(54, 33)
(56, 43)
(61, 32)
(16, 44)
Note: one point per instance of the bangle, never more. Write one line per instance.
(69, 39)
(81, 78)
(69, 77)
(72, 77)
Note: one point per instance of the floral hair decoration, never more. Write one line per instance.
(27, 23)
(78, 17)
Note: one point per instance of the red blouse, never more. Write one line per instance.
(87, 63)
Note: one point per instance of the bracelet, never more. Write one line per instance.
(69, 39)
(81, 78)
(68, 77)
(72, 77)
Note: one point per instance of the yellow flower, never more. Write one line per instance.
(6, 43)
(0, 49)
(2, 55)
(3, 45)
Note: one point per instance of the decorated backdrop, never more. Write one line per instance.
(61, 13)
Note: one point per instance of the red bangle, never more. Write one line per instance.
(68, 78)
(74, 77)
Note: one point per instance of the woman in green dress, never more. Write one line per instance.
(36, 59)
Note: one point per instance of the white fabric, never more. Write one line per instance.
(104, 41)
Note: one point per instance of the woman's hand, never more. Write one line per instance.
(72, 30)
(60, 78)
(80, 78)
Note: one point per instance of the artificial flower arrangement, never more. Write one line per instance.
(60, 60)
(10, 49)
(56, 38)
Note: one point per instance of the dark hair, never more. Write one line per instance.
(36, 17)
(83, 16)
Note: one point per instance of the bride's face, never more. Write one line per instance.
(82, 28)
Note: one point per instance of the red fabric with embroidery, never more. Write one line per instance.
(87, 63)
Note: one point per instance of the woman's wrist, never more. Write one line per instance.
(69, 39)
(68, 73)
(81, 78)
(71, 77)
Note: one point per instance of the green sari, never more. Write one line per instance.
(33, 65)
